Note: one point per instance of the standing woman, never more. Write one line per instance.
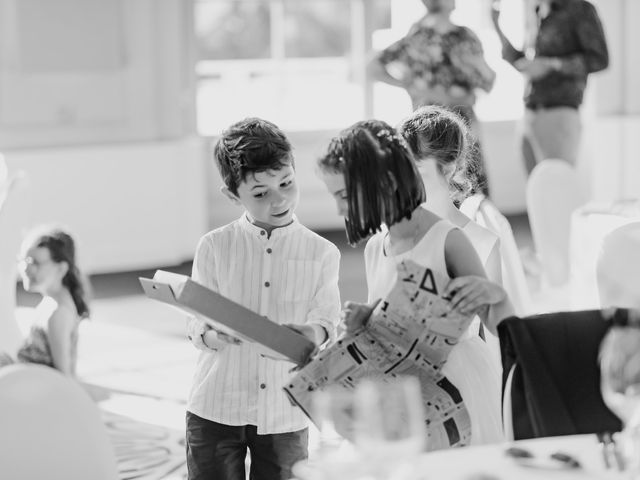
(439, 63)
(48, 267)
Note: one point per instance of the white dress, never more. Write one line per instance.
(470, 365)
(484, 241)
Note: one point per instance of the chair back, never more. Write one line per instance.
(553, 193)
(50, 428)
(551, 375)
(484, 212)
(618, 267)
(14, 220)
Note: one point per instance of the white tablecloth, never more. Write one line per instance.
(490, 462)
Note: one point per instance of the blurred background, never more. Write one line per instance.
(111, 107)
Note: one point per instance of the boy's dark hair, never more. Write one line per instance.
(382, 182)
(437, 132)
(249, 146)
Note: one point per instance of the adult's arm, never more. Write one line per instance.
(594, 54)
(509, 52)
(377, 70)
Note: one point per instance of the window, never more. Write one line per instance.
(298, 63)
(392, 104)
(301, 63)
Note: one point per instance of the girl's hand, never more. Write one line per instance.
(356, 315)
(469, 293)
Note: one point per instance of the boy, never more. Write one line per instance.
(268, 262)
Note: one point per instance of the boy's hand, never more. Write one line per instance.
(316, 333)
(355, 315)
(216, 340)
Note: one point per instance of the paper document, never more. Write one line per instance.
(410, 332)
(276, 341)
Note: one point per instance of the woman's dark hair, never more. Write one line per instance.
(382, 182)
(436, 132)
(249, 146)
(62, 249)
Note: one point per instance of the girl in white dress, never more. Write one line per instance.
(441, 145)
(371, 174)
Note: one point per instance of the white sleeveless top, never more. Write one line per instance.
(470, 365)
(482, 239)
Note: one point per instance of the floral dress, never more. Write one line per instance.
(439, 67)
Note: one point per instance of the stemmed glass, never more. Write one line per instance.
(389, 427)
(620, 386)
(331, 452)
(620, 372)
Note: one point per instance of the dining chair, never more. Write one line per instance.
(551, 375)
(553, 192)
(484, 212)
(14, 219)
(618, 267)
(50, 428)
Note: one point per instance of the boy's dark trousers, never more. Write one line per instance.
(217, 452)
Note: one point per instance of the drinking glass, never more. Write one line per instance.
(389, 427)
(620, 371)
(331, 453)
(620, 386)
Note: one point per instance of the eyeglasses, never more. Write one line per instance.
(30, 261)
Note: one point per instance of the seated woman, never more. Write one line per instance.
(48, 267)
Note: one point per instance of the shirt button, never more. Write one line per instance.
(269, 250)
(262, 232)
(266, 284)
(263, 386)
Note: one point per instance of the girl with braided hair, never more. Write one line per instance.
(48, 267)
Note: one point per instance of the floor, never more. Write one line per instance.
(133, 353)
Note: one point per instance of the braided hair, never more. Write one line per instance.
(437, 132)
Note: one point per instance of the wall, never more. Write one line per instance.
(131, 206)
(97, 106)
(139, 189)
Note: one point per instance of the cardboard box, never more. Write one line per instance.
(277, 341)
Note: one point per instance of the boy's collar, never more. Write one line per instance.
(276, 232)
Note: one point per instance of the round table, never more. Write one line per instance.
(487, 462)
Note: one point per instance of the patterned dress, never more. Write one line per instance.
(439, 67)
(444, 68)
